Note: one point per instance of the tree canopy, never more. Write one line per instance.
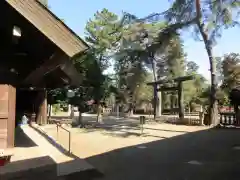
(148, 49)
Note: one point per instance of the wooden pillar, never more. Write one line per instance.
(7, 116)
(180, 101)
(11, 115)
(42, 108)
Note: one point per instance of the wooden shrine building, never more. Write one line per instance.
(36, 51)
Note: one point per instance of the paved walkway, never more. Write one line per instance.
(34, 154)
(65, 164)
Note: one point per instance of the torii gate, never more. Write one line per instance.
(178, 87)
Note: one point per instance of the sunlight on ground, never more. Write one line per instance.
(90, 142)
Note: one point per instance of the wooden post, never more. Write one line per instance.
(180, 101)
(42, 110)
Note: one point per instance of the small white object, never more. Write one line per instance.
(12, 70)
(236, 148)
(70, 93)
(17, 31)
(194, 162)
(1, 152)
(120, 132)
(142, 147)
(124, 126)
(6, 152)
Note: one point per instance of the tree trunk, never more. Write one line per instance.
(157, 95)
(71, 112)
(99, 113)
(180, 102)
(213, 110)
(80, 121)
(213, 107)
(213, 101)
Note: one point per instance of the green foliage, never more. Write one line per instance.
(191, 67)
(208, 18)
(228, 77)
(102, 34)
(193, 89)
(229, 71)
(56, 108)
(172, 63)
(143, 92)
(148, 46)
(138, 48)
(222, 98)
(56, 96)
(215, 15)
(166, 49)
(95, 85)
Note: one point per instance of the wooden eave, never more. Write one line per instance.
(50, 25)
(69, 69)
(58, 62)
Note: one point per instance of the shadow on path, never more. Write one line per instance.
(124, 129)
(22, 140)
(204, 155)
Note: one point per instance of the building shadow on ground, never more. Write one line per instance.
(22, 140)
(212, 154)
(43, 167)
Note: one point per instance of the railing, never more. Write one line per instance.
(59, 125)
(185, 113)
(228, 118)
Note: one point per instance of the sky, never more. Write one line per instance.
(76, 13)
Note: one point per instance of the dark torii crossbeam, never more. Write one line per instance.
(178, 87)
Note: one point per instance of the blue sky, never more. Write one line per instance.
(76, 13)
